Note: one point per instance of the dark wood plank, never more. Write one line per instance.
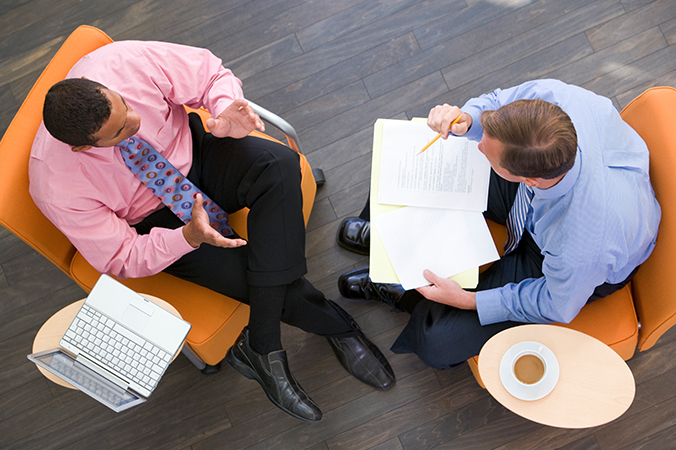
(410, 416)
(290, 21)
(24, 64)
(630, 5)
(459, 21)
(345, 47)
(458, 57)
(631, 24)
(665, 439)
(22, 85)
(668, 79)
(6, 117)
(637, 73)
(354, 413)
(326, 107)
(25, 318)
(260, 59)
(522, 70)
(58, 25)
(15, 15)
(585, 443)
(173, 20)
(341, 74)
(365, 115)
(624, 52)
(8, 103)
(631, 429)
(21, 293)
(343, 22)
(223, 19)
(465, 427)
(669, 30)
(9, 5)
(535, 40)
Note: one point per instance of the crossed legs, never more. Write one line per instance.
(267, 273)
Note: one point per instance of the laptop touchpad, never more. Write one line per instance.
(134, 318)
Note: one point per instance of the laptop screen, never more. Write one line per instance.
(83, 378)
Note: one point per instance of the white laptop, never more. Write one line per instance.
(118, 346)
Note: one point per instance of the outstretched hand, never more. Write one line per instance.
(236, 121)
(441, 117)
(198, 230)
(446, 291)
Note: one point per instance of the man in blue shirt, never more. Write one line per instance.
(593, 219)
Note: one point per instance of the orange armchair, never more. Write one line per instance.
(216, 320)
(650, 298)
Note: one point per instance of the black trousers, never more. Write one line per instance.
(443, 336)
(265, 177)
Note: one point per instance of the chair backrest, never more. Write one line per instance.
(653, 115)
(18, 213)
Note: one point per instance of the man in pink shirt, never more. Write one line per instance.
(81, 183)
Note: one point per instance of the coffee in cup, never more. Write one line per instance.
(529, 367)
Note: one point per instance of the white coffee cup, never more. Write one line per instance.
(529, 367)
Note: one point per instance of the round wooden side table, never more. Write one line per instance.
(595, 385)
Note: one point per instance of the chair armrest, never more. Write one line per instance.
(279, 123)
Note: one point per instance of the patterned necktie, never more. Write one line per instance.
(516, 221)
(162, 178)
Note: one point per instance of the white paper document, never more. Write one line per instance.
(447, 242)
(451, 174)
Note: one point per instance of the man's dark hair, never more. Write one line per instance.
(75, 109)
(539, 138)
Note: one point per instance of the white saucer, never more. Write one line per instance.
(536, 391)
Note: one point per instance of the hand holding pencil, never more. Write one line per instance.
(442, 118)
(429, 144)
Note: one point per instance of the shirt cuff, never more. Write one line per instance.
(476, 131)
(490, 307)
(176, 240)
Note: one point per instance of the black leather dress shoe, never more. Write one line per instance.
(354, 234)
(273, 374)
(357, 284)
(364, 360)
(361, 357)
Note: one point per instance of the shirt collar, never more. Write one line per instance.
(564, 186)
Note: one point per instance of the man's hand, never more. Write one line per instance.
(237, 121)
(198, 230)
(447, 292)
(440, 119)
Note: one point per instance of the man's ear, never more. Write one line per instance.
(532, 182)
(80, 148)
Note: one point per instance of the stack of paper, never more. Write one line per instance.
(444, 191)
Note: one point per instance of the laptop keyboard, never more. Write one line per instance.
(113, 346)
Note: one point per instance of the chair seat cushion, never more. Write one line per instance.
(612, 320)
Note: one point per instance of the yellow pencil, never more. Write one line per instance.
(456, 120)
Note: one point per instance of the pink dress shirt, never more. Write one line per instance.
(91, 196)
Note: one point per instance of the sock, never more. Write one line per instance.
(266, 304)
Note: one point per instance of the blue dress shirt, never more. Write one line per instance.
(595, 226)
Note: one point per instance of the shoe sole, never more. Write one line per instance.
(251, 374)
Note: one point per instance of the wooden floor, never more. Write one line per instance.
(331, 68)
